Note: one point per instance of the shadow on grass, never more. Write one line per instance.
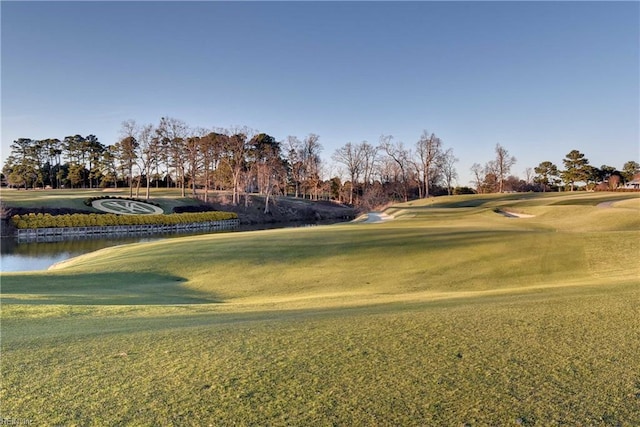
(593, 200)
(100, 289)
(366, 242)
(21, 331)
(474, 202)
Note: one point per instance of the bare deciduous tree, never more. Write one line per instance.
(211, 148)
(400, 156)
(351, 156)
(369, 158)
(127, 149)
(296, 166)
(503, 163)
(193, 152)
(478, 174)
(528, 175)
(149, 150)
(266, 164)
(428, 151)
(310, 156)
(173, 134)
(235, 157)
(447, 165)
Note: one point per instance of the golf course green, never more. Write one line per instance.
(512, 309)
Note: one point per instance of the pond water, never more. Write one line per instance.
(32, 256)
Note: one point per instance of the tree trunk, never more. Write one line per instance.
(130, 182)
(266, 203)
(183, 192)
(236, 197)
(138, 187)
(206, 185)
(148, 187)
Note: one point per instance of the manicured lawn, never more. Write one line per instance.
(74, 198)
(451, 314)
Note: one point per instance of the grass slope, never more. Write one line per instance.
(449, 314)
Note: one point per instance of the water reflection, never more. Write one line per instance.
(30, 256)
(41, 255)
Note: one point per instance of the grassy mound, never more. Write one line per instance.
(448, 314)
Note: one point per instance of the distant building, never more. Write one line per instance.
(613, 183)
(633, 184)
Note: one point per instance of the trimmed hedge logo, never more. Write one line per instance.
(126, 207)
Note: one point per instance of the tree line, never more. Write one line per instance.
(169, 154)
(243, 161)
(494, 176)
(239, 160)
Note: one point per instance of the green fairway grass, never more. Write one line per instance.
(167, 199)
(450, 314)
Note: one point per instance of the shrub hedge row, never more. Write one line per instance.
(39, 220)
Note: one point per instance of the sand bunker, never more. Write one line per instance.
(514, 214)
(605, 204)
(373, 217)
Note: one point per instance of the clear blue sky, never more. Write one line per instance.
(540, 78)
